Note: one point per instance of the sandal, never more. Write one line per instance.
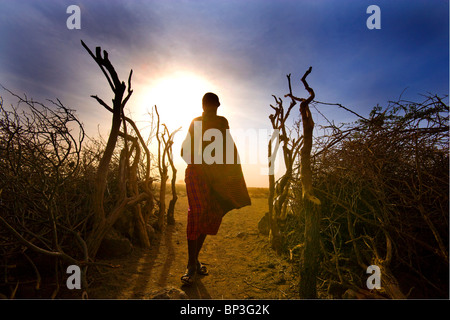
(188, 277)
(201, 269)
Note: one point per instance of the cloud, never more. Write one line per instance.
(245, 47)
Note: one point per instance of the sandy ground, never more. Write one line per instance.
(239, 259)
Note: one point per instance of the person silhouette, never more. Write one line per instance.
(214, 180)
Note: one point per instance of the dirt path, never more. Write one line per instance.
(240, 262)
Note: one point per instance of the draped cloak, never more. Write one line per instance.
(214, 179)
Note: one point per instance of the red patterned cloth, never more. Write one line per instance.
(205, 213)
(213, 189)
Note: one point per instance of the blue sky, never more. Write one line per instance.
(242, 49)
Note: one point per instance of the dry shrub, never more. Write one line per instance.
(384, 185)
(43, 187)
(47, 178)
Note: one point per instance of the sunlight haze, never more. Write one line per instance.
(240, 50)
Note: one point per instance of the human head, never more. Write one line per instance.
(210, 101)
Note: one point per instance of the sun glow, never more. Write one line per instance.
(178, 98)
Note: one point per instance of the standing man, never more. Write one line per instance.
(214, 180)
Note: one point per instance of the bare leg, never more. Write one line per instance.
(201, 269)
(200, 241)
(188, 277)
(192, 253)
(194, 247)
(193, 266)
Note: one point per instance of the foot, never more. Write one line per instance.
(201, 269)
(188, 277)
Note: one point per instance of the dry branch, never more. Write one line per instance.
(103, 222)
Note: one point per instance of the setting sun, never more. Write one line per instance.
(178, 98)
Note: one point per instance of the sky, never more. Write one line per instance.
(241, 50)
